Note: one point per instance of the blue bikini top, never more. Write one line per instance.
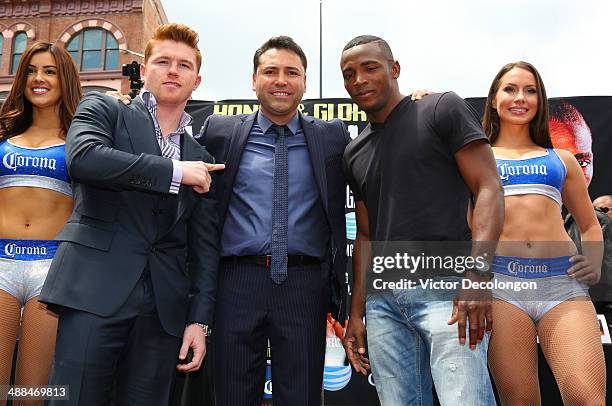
(541, 175)
(43, 167)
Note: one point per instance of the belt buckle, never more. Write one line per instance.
(268, 261)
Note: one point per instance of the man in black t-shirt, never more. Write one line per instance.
(408, 171)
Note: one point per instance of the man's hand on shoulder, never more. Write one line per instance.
(124, 98)
(419, 94)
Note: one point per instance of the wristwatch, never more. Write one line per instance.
(205, 328)
(484, 270)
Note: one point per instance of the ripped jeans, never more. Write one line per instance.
(410, 342)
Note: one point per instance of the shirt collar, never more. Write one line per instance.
(265, 123)
(151, 104)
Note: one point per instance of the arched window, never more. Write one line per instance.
(20, 44)
(94, 49)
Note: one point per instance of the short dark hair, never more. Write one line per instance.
(367, 39)
(280, 42)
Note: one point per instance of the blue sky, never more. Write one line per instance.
(440, 44)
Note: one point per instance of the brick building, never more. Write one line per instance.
(100, 35)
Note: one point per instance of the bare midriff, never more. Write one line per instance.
(32, 213)
(533, 228)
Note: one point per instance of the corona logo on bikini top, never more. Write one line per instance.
(15, 160)
(506, 170)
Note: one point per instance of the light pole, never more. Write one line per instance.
(320, 49)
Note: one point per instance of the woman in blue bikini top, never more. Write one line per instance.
(35, 202)
(534, 246)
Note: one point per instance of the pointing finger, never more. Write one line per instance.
(214, 167)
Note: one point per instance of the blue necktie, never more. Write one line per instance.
(278, 243)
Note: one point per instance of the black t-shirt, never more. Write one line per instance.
(405, 171)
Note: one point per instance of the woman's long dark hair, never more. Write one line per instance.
(538, 127)
(16, 111)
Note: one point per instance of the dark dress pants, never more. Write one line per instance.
(126, 358)
(251, 309)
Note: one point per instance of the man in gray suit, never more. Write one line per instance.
(120, 281)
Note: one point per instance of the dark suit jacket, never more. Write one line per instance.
(125, 220)
(226, 136)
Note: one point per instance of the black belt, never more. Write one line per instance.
(266, 260)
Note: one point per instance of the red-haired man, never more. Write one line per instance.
(119, 282)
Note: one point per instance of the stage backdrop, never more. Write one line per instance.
(577, 124)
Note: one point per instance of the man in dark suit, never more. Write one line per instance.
(281, 201)
(119, 280)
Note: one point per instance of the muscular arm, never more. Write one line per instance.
(354, 338)
(361, 259)
(458, 124)
(477, 166)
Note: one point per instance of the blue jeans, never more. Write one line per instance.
(410, 342)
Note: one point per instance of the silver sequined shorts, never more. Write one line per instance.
(24, 265)
(536, 285)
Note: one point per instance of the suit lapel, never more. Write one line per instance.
(317, 156)
(239, 136)
(188, 153)
(142, 139)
